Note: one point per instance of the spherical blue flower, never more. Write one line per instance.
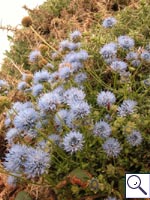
(109, 22)
(80, 78)
(112, 147)
(76, 66)
(125, 42)
(145, 55)
(108, 51)
(59, 91)
(22, 85)
(132, 56)
(11, 135)
(73, 56)
(64, 72)
(75, 35)
(106, 98)
(82, 55)
(37, 89)
(15, 158)
(80, 110)
(34, 55)
(37, 162)
(134, 138)
(18, 106)
(127, 107)
(135, 63)
(49, 101)
(102, 129)
(41, 76)
(73, 95)
(67, 45)
(26, 119)
(60, 117)
(73, 142)
(118, 66)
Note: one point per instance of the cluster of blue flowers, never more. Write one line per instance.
(59, 97)
(133, 57)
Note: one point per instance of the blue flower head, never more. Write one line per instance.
(109, 22)
(34, 55)
(80, 78)
(15, 158)
(135, 63)
(22, 85)
(112, 147)
(37, 163)
(49, 101)
(127, 107)
(76, 66)
(37, 89)
(67, 45)
(64, 72)
(125, 42)
(75, 35)
(80, 110)
(73, 142)
(82, 55)
(59, 91)
(108, 51)
(102, 129)
(106, 98)
(132, 56)
(41, 76)
(26, 119)
(73, 95)
(118, 66)
(145, 56)
(134, 138)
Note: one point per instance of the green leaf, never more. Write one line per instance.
(81, 174)
(23, 196)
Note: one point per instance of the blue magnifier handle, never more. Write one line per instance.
(142, 190)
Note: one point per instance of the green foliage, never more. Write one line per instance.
(22, 195)
(19, 52)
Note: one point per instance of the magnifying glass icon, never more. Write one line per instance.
(134, 182)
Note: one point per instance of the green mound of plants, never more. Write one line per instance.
(83, 120)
